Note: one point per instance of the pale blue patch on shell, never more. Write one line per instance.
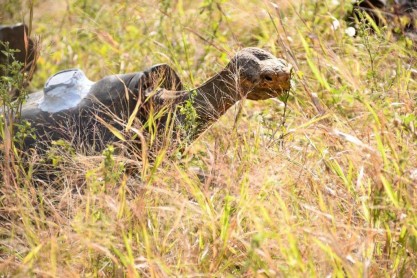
(64, 90)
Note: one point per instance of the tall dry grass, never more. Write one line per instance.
(326, 189)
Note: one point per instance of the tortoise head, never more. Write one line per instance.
(261, 74)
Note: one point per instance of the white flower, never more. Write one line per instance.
(350, 31)
(413, 174)
(335, 24)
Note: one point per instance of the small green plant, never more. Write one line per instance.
(188, 119)
(12, 81)
(13, 93)
(55, 153)
(112, 170)
(107, 176)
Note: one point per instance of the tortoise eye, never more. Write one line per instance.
(267, 77)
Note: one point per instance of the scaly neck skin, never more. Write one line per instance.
(214, 98)
(197, 109)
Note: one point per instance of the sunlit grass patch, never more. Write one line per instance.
(323, 186)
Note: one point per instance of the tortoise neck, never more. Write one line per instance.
(212, 99)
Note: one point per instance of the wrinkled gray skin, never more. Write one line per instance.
(253, 73)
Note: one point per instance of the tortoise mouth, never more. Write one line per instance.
(266, 93)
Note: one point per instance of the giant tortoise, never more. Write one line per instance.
(153, 102)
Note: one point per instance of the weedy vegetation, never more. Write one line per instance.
(321, 183)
